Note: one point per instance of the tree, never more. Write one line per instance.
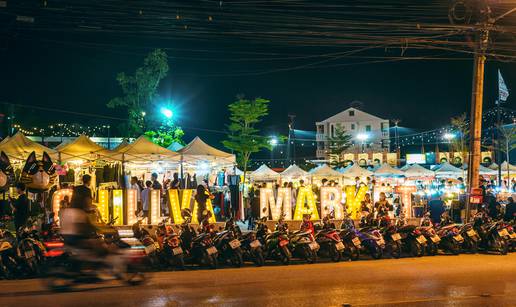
(459, 143)
(339, 142)
(165, 137)
(140, 93)
(243, 137)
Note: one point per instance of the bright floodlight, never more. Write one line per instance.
(362, 136)
(274, 141)
(449, 136)
(167, 112)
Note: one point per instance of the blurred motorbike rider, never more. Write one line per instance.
(78, 221)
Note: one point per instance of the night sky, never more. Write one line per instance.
(69, 57)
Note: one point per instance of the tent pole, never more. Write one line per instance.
(182, 174)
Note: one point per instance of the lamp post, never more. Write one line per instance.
(362, 137)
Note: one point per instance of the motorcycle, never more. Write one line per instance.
(391, 235)
(349, 236)
(152, 248)
(301, 242)
(494, 236)
(371, 238)
(329, 240)
(427, 229)
(413, 241)
(30, 250)
(8, 264)
(471, 238)
(199, 248)
(275, 243)
(228, 245)
(169, 243)
(451, 239)
(251, 247)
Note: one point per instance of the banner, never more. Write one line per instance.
(503, 91)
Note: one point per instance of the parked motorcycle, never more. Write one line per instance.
(329, 240)
(169, 243)
(494, 236)
(451, 239)
(391, 235)
(199, 248)
(427, 229)
(228, 245)
(350, 238)
(371, 238)
(302, 242)
(275, 243)
(412, 239)
(250, 246)
(471, 238)
(8, 264)
(152, 248)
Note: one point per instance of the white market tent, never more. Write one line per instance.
(81, 148)
(493, 166)
(447, 170)
(505, 166)
(387, 170)
(484, 170)
(356, 171)
(19, 147)
(416, 170)
(142, 150)
(324, 171)
(175, 146)
(121, 145)
(198, 150)
(294, 171)
(264, 173)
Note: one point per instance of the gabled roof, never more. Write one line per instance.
(19, 147)
(387, 170)
(356, 171)
(344, 117)
(82, 148)
(264, 173)
(416, 170)
(446, 169)
(143, 150)
(198, 150)
(294, 171)
(324, 171)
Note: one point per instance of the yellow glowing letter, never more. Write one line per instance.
(330, 201)
(406, 197)
(354, 200)
(155, 206)
(283, 203)
(58, 196)
(306, 196)
(131, 206)
(103, 205)
(118, 207)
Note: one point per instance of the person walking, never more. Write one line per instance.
(201, 197)
(146, 198)
(82, 197)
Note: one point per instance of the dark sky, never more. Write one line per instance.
(69, 56)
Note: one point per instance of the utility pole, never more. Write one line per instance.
(291, 119)
(484, 25)
(396, 140)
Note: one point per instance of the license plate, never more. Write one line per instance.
(211, 250)
(396, 237)
(380, 242)
(234, 243)
(339, 246)
(421, 239)
(313, 245)
(149, 249)
(177, 251)
(283, 243)
(255, 244)
(435, 239)
(458, 238)
(513, 235)
(356, 241)
(471, 233)
(156, 245)
(503, 232)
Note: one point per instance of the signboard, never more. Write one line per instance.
(416, 159)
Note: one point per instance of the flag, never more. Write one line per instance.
(503, 92)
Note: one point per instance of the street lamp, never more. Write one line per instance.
(362, 137)
(273, 142)
(449, 136)
(167, 112)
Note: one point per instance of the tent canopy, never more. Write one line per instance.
(356, 171)
(416, 170)
(506, 165)
(387, 170)
(264, 173)
(197, 150)
(446, 169)
(324, 171)
(143, 150)
(483, 170)
(121, 145)
(294, 171)
(19, 147)
(82, 148)
(175, 146)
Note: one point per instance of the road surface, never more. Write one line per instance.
(465, 280)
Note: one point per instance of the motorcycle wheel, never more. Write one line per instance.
(258, 257)
(502, 246)
(454, 248)
(396, 250)
(354, 253)
(335, 255)
(376, 251)
(11, 268)
(432, 249)
(472, 246)
(236, 258)
(285, 255)
(57, 280)
(415, 249)
(210, 260)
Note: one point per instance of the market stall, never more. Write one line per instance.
(293, 173)
(18, 147)
(351, 172)
(446, 170)
(264, 174)
(324, 172)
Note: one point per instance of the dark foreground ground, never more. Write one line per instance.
(465, 280)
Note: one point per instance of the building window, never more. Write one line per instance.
(351, 113)
(352, 126)
(368, 128)
(332, 131)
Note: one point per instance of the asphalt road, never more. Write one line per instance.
(465, 280)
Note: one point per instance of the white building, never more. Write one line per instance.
(369, 133)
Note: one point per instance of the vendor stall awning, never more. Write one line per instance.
(82, 148)
(356, 171)
(448, 170)
(19, 147)
(387, 170)
(324, 171)
(143, 150)
(197, 150)
(264, 173)
(294, 171)
(416, 170)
